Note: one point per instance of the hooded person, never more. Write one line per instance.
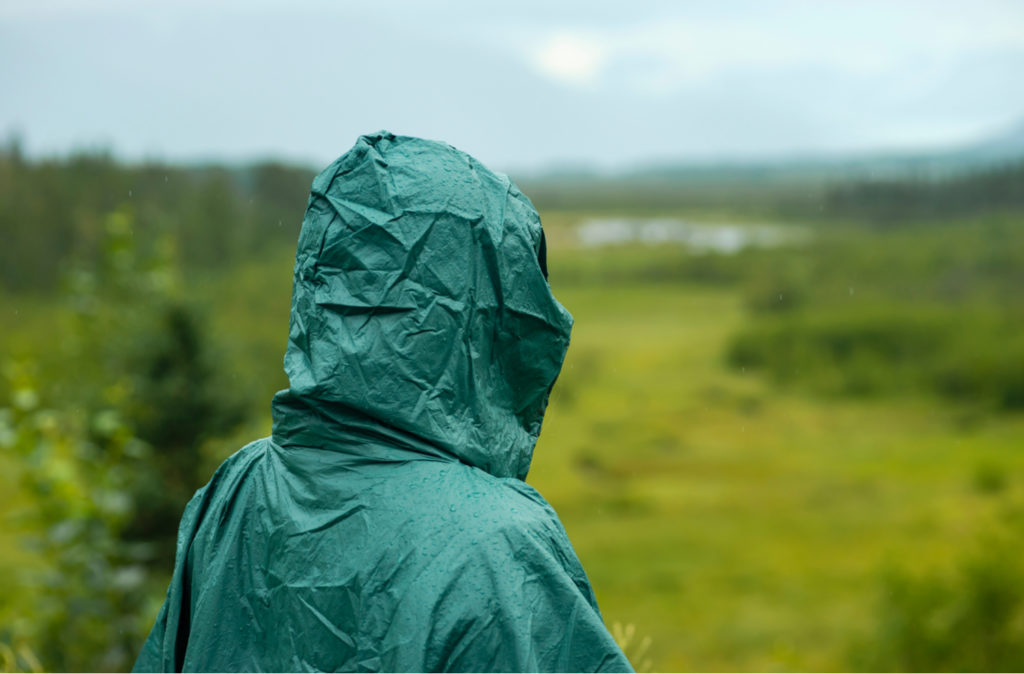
(385, 524)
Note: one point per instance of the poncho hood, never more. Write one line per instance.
(421, 318)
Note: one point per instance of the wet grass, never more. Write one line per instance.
(740, 527)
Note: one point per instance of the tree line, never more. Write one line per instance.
(53, 211)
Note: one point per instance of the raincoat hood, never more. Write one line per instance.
(421, 313)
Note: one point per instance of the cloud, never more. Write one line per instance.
(570, 58)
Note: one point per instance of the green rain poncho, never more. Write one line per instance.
(385, 524)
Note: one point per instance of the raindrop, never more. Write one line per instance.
(129, 194)
(851, 290)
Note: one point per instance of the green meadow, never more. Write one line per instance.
(802, 455)
(740, 526)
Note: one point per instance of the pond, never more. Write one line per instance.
(699, 237)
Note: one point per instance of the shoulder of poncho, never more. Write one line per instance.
(232, 470)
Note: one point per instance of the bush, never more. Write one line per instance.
(108, 454)
(969, 621)
(83, 607)
(874, 350)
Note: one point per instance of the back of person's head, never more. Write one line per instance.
(421, 303)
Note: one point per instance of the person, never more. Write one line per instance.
(386, 524)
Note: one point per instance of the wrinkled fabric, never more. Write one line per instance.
(385, 524)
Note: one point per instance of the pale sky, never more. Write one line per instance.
(526, 85)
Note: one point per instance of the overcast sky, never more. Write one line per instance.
(524, 85)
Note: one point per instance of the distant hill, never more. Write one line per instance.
(754, 184)
(1007, 146)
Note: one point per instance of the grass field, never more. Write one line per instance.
(740, 528)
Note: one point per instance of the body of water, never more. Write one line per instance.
(700, 237)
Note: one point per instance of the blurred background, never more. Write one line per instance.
(789, 434)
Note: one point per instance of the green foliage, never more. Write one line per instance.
(54, 212)
(81, 607)
(936, 311)
(18, 658)
(970, 620)
(631, 264)
(893, 201)
(635, 648)
(109, 451)
(178, 401)
(890, 349)
(136, 334)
